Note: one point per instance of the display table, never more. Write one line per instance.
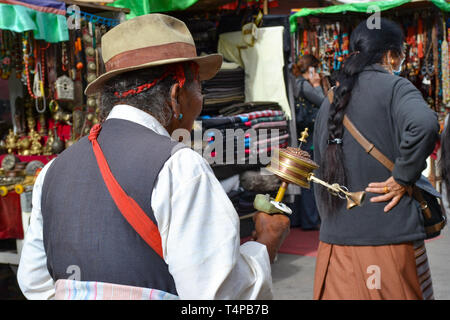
(16, 209)
(13, 256)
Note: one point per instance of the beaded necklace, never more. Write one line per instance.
(27, 60)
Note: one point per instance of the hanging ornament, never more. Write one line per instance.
(64, 88)
(445, 67)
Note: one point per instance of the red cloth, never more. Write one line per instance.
(10, 208)
(129, 208)
(64, 131)
(11, 217)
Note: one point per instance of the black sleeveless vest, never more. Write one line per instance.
(82, 226)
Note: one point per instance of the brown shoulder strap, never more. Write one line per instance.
(368, 147)
(374, 152)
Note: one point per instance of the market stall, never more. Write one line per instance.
(325, 33)
(250, 96)
(49, 52)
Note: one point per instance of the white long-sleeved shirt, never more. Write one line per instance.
(199, 230)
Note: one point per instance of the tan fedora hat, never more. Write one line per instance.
(147, 41)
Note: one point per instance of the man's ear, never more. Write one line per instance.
(174, 102)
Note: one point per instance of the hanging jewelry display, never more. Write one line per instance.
(427, 61)
(17, 54)
(28, 60)
(445, 62)
(5, 54)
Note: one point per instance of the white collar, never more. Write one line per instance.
(126, 112)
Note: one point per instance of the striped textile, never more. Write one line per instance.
(261, 114)
(92, 290)
(423, 270)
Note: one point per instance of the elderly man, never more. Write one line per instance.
(127, 213)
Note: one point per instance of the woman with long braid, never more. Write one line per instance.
(375, 251)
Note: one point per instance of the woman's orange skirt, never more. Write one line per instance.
(392, 272)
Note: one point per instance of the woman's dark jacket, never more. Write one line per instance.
(392, 114)
(303, 88)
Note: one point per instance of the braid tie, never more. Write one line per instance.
(177, 72)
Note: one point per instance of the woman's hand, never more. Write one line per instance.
(391, 190)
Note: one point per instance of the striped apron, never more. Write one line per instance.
(92, 290)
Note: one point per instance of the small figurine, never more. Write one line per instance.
(36, 146)
(47, 149)
(23, 146)
(11, 141)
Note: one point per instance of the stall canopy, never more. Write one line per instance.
(46, 18)
(148, 6)
(138, 8)
(357, 7)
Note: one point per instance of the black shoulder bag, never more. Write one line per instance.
(305, 111)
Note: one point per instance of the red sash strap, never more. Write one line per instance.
(130, 210)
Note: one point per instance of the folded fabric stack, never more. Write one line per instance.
(225, 89)
(239, 137)
(268, 130)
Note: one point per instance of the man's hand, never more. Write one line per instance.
(271, 230)
(391, 190)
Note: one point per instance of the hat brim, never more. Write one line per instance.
(209, 65)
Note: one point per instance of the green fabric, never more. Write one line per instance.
(46, 26)
(138, 7)
(351, 7)
(358, 7)
(442, 4)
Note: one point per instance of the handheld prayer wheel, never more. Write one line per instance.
(294, 165)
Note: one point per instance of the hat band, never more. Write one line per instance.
(145, 55)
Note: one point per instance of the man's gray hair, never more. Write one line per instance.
(154, 101)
